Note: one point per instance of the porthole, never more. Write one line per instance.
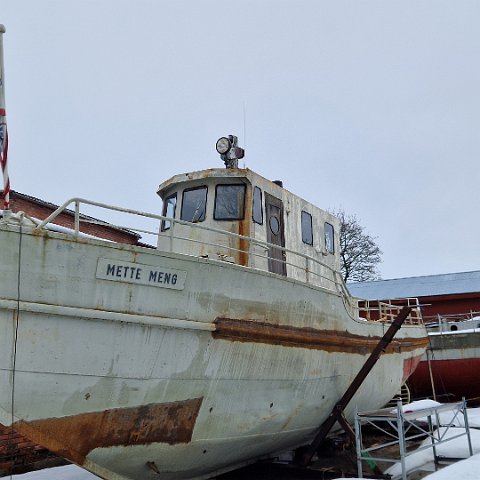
(274, 225)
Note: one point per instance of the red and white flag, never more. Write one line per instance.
(3, 129)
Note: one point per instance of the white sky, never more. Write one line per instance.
(372, 106)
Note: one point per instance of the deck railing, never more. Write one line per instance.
(386, 310)
(453, 322)
(313, 271)
(450, 317)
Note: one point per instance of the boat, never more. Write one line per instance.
(228, 341)
(449, 369)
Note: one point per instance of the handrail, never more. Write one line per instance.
(386, 310)
(173, 221)
(305, 261)
(451, 317)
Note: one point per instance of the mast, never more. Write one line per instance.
(3, 129)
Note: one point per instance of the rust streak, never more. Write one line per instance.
(73, 437)
(327, 340)
(244, 227)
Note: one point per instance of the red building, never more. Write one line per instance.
(449, 371)
(445, 294)
(40, 209)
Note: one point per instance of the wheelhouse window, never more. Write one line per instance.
(257, 211)
(229, 202)
(194, 204)
(169, 207)
(307, 230)
(329, 238)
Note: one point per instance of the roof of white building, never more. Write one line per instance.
(426, 286)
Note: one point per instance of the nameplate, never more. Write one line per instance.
(155, 276)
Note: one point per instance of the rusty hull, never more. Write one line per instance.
(242, 395)
(73, 437)
(244, 228)
(289, 336)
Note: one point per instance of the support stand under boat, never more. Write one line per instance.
(337, 415)
(407, 427)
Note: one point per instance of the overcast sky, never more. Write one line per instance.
(371, 106)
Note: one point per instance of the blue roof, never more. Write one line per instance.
(427, 286)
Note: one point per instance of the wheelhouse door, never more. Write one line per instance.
(275, 234)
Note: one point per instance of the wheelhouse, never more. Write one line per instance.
(236, 215)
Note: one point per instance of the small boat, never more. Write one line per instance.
(449, 369)
(229, 341)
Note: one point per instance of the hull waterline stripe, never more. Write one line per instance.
(327, 340)
(234, 330)
(91, 314)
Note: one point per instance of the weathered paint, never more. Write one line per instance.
(290, 336)
(244, 229)
(74, 436)
(453, 379)
(87, 345)
(455, 366)
(409, 366)
(292, 204)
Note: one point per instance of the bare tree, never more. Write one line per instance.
(360, 255)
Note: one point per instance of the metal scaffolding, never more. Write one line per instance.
(404, 426)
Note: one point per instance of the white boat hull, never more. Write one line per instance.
(128, 378)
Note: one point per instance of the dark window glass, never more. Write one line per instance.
(257, 212)
(329, 238)
(194, 204)
(307, 230)
(229, 202)
(169, 207)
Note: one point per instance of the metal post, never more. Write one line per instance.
(3, 132)
(358, 443)
(77, 217)
(431, 373)
(401, 439)
(467, 427)
(172, 225)
(432, 438)
(436, 460)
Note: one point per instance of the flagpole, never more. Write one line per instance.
(3, 129)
